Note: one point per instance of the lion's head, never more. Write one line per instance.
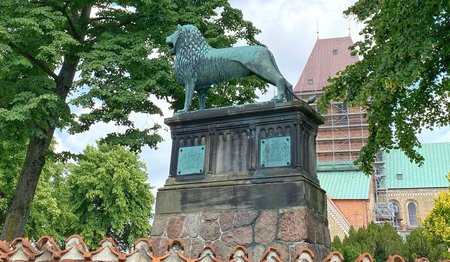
(186, 36)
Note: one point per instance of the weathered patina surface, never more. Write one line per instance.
(199, 66)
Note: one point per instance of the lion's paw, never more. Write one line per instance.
(277, 100)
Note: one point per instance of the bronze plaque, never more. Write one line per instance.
(191, 160)
(275, 151)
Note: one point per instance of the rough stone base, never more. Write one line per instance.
(286, 230)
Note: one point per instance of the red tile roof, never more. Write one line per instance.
(46, 249)
(328, 57)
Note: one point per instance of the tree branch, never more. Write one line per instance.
(123, 23)
(34, 61)
(70, 22)
(131, 20)
(70, 61)
(62, 9)
(98, 18)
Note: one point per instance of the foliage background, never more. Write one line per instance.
(381, 241)
(403, 78)
(105, 193)
(108, 58)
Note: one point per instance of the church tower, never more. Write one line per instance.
(345, 130)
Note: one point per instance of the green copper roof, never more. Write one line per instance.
(345, 184)
(433, 173)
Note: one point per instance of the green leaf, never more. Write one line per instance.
(403, 79)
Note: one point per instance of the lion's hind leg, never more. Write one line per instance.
(288, 91)
(269, 74)
(266, 68)
(275, 78)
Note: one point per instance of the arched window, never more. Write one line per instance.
(412, 214)
(395, 210)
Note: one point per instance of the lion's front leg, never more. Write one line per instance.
(202, 97)
(189, 92)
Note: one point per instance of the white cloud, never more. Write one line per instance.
(289, 28)
(76, 143)
(437, 135)
(157, 160)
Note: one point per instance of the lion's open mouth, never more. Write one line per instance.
(171, 45)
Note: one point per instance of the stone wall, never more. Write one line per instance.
(284, 229)
(423, 198)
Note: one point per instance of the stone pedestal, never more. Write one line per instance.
(243, 175)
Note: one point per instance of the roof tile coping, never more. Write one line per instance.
(175, 250)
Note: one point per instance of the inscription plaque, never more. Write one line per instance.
(191, 160)
(275, 151)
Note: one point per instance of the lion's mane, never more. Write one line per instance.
(191, 49)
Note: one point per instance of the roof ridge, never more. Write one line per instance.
(337, 37)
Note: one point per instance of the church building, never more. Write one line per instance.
(398, 191)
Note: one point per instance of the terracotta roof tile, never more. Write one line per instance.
(366, 257)
(334, 256)
(272, 255)
(46, 249)
(328, 57)
(395, 258)
(304, 254)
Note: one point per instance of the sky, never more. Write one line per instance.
(290, 30)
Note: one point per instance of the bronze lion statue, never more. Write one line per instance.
(198, 65)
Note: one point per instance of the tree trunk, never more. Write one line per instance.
(18, 211)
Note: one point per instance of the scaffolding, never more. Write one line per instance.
(340, 140)
(382, 211)
(343, 134)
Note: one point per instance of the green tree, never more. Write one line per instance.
(109, 195)
(110, 177)
(378, 240)
(420, 245)
(403, 78)
(44, 43)
(13, 153)
(48, 211)
(437, 222)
